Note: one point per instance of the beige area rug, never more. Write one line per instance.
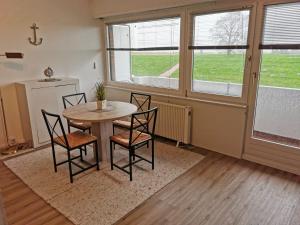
(101, 197)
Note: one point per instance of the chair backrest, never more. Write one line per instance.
(144, 122)
(142, 101)
(55, 127)
(74, 99)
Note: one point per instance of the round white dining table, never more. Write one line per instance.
(101, 120)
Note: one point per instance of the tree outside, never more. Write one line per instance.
(231, 29)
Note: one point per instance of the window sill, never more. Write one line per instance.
(181, 97)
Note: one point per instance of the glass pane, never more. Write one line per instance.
(158, 68)
(120, 66)
(218, 71)
(278, 99)
(282, 24)
(227, 28)
(156, 33)
(119, 36)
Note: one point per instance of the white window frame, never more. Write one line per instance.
(265, 152)
(186, 14)
(250, 140)
(154, 15)
(219, 8)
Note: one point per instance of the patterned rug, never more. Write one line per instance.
(105, 196)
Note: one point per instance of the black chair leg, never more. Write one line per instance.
(152, 145)
(70, 166)
(111, 156)
(133, 154)
(54, 157)
(81, 158)
(147, 141)
(69, 128)
(97, 154)
(114, 134)
(85, 151)
(130, 164)
(84, 148)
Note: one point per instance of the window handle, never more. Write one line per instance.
(248, 61)
(254, 77)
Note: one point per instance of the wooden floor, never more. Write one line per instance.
(219, 190)
(22, 206)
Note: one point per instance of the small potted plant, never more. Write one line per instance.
(100, 95)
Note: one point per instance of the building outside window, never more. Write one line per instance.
(145, 53)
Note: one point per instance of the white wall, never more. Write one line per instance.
(215, 127)
(71, 40)
(104, 8)
(71, 45)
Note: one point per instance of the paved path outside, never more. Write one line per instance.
(169, 72)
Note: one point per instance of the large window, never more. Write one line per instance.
(219, 45)
(145, 53)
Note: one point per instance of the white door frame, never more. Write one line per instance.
(261, 151)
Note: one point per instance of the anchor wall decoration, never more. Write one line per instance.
(35, 42)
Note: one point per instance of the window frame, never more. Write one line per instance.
(153, 15)
(220, 8)
(259, 48)
(186, 14)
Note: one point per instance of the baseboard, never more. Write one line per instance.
(273, 163)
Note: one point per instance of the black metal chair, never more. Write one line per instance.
(76, 99)
(142, 101)
(71, 141)
(139, 134)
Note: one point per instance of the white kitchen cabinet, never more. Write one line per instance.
(33, 96)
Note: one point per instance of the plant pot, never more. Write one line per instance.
(101, 104)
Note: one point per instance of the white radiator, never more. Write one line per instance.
(173, 121)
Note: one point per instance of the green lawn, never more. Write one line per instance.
(276, 70)
(152, 65)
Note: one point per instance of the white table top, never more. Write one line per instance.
(88, 112)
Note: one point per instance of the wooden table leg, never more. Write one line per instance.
(103, 131)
